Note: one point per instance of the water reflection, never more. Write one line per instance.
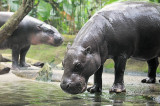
(97, 97)
(18, 93)
(119, 98)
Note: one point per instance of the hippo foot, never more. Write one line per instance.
(149, 80)
(24, 65)
(94, 89)
(118, 88)
(16, 68)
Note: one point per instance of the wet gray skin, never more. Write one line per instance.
(29, 32)
(118, 31)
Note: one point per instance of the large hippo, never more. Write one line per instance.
(30, 31)
(119, 31)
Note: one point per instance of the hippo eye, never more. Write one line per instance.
(78, 66)
(51, 32)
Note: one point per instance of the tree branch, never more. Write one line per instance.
(8, 28)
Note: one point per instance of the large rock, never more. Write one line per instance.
(45, 74)
(29, 72)
(25, 72)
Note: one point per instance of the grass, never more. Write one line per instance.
(132, 65)
(47, 53)
(43, 53)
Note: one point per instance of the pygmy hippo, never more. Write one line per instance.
(118, 31)
(30, 31)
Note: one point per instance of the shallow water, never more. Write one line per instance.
(33, 93)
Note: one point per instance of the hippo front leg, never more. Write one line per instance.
(152, 67)
(23, 53)
(97, 87)
(15, 58)
(120, 63)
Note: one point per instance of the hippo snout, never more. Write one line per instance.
(74, 86)
(58, 40)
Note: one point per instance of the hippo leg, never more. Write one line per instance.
(152, 67)
(120, 63)
(23, 53)
(97, 87)
(15, 58)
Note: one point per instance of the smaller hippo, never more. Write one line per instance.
(119, 31)
(30, 31)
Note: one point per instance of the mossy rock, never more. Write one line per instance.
(45, 74)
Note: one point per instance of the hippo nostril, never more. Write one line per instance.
(58, 40)
(65, 86)
(68, 85)
(61, 40)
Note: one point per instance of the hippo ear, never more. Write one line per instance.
(87, 50)
(68, 45)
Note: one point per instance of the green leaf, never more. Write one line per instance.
(44, 10)
(67, 6)
(58, 1)
(14, 4)
(36, 1)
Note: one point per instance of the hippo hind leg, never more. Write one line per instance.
(152, 67)
(23, 53)
(97, 87)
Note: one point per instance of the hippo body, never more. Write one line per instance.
(119, 31)
(30, 31)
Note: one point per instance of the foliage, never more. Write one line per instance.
(44, 11)
(68, 16)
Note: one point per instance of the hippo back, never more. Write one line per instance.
(124, 26)
(20, 37)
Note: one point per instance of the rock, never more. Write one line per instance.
(4, 70)
(38, 64)
(60, 66)
(29, 73)
(45, 74)
(57, 75)
(157, 99)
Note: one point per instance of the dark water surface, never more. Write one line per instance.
(33, 93)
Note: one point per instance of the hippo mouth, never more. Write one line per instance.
(55, 41)
(74, 88)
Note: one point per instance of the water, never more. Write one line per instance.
(33, 93)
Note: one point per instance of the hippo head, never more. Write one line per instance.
(47, 34)
(79, 64)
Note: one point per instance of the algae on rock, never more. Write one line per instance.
(45, 74)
